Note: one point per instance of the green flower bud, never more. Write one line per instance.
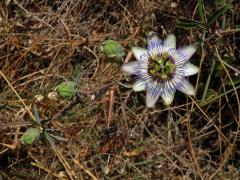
(112, 49)
(30, 136)
(66, 89)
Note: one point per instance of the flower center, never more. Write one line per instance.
(162, 67)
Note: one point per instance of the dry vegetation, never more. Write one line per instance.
(110, 132)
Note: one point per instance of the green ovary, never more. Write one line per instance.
(162, 67)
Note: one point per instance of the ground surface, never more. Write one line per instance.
(110, 133)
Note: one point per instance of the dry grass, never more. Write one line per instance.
(114, 136)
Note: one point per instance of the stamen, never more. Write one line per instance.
(162, 67)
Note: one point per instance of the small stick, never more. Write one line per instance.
(28, 110)
(110, 107)
(85, 170)
(40, 166)
(169, 124)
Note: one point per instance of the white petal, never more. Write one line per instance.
(139, 86)
(143, 65)
(170, 41)
(186, 87)
(167, 97)
(187, 52)
(153, 38)
(190, 69)
(154, 44)
(151, 99)
(130, 67)
(140, 54)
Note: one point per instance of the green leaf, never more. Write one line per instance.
(207, 84)
(219, 67)
(59, 138)
(216, 15)
(189, 24)
(66, 89)
(50, 139)
(30, 136)
(210, 97)
(202, 12)
(76, 71)
(235, 80)
(112, 49)
(36, 114)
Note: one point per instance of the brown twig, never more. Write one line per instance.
(85, 170)
(111, 102)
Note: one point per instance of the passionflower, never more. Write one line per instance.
(161, 69)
